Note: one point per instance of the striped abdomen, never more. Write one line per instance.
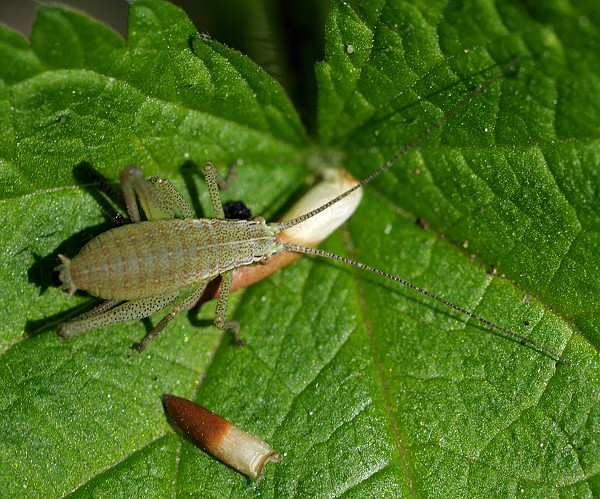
(149, 258)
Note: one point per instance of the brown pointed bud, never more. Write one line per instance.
(219, 437)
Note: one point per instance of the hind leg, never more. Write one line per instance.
(113, 312)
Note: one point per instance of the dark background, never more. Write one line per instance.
(285, 37)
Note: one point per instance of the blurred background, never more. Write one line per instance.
(285, 37)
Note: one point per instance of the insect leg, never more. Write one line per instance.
(221, 311)
(213, 181)
(182, 206)
(225, 183)
(156, 202)
(103, 315)
(182, 305)
(100, 309)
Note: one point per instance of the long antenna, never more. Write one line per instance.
(295, 221)
(313, 251)
(522, 339)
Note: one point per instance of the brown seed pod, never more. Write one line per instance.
(217, 436)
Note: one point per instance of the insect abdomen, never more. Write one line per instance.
(149, 258)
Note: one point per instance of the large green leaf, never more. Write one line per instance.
(365, 388)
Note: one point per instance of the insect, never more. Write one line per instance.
(144, 267)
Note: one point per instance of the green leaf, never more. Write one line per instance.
(367, 389)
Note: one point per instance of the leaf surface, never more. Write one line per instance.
(367, 389)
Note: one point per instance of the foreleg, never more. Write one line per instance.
(157, 201)
(213, 182)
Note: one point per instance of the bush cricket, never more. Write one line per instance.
(167, 262)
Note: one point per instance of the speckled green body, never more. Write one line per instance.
(152, 258)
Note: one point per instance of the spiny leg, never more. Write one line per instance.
(183, 304)
(213, 182)
(98, 310)
(182, 206)
(156, 202)
(225, 183)
(104, 316)
(221, 320)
